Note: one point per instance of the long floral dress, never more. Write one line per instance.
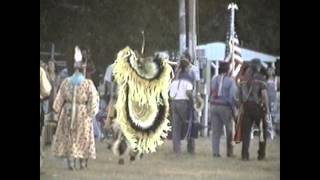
(74, 136)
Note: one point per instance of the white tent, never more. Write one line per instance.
(215, 51)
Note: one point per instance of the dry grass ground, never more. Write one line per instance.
(163, 165)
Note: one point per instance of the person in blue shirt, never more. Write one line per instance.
(222, 99)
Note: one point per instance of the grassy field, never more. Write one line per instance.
(164, 165)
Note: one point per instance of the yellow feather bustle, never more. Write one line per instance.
(146, 94)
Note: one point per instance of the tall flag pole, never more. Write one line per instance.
(233, 51)
(233, 57)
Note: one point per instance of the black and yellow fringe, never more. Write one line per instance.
(142, 101)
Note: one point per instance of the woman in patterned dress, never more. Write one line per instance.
(76, 103)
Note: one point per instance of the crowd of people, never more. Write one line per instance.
(237, 108)
(73, 108)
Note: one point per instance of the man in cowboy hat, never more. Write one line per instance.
(253, 97)
(223, 101)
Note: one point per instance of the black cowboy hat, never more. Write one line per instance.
(223, 66)
(256, 62)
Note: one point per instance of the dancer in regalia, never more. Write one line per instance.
(76, 103)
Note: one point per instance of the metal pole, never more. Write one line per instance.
(182, 26)
(52, 51)
(207, 93)
(192, 30)
(216, 72)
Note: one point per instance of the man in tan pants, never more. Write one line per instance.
(45, 89)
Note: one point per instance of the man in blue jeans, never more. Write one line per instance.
(222, 98)
(181, 90)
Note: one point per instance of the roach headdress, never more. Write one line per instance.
(142, 105)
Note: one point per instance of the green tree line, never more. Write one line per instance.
(106, 26)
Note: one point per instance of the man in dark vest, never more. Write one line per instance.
(253, 97)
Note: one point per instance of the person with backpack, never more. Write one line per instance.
(253, 97)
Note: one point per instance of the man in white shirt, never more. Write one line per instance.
(45, 89)
(179, 89)
(108, 74)
(45, 86)
(108, 83)
(181, 106)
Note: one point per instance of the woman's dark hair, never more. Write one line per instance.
(264, 72)
(186, 55)
(267, 72)
(183, 65)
